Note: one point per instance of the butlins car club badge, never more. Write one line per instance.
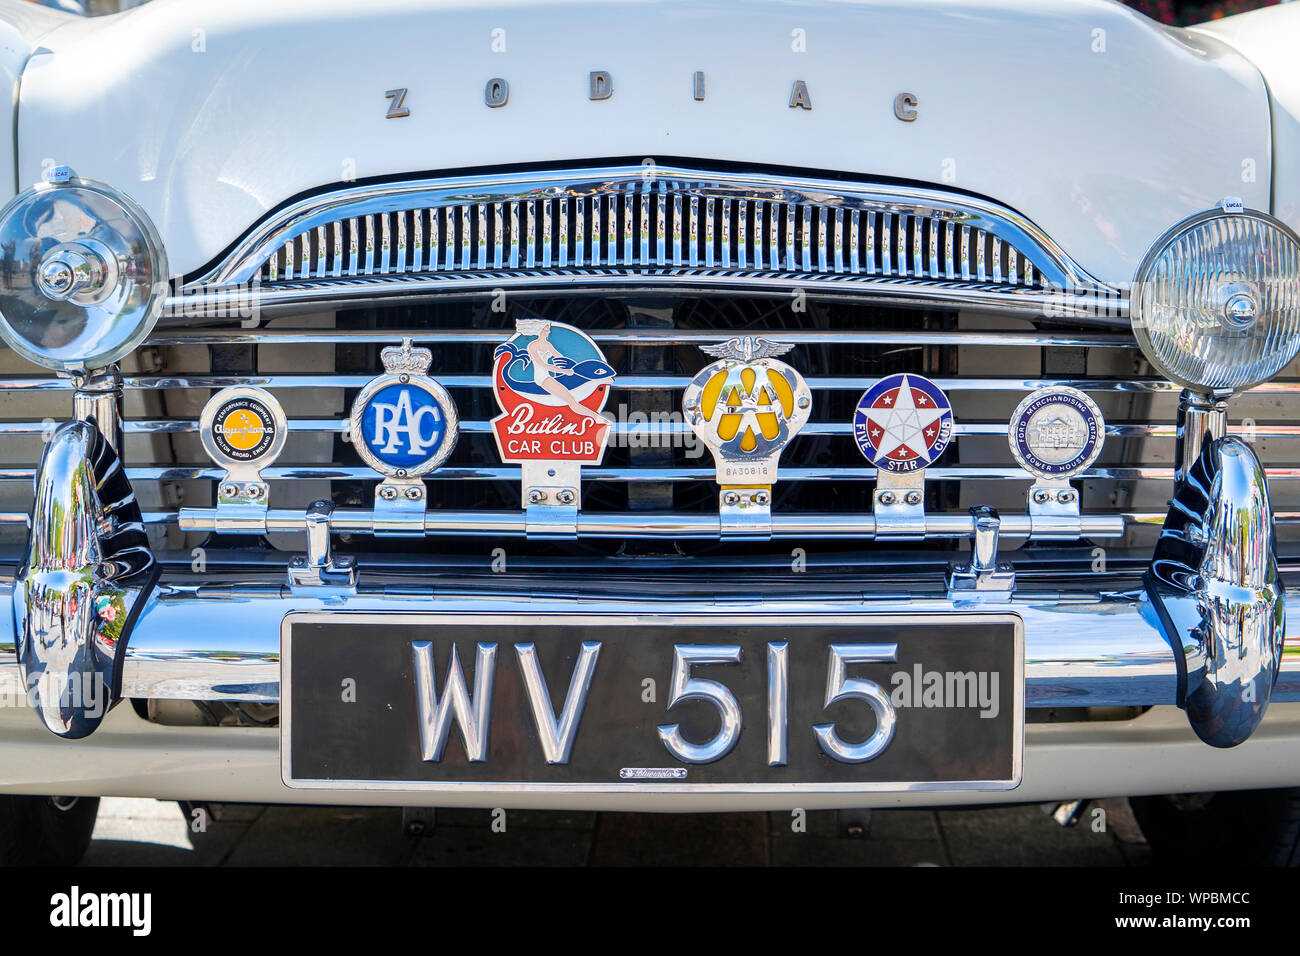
(551, 382)
(746, 407)
(403, 423)
(243, 429)
(1055, 434)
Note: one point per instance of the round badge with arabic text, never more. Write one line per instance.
(903, 423)
(1056, 432)
(243, 426)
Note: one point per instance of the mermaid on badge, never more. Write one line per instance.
(550, 367)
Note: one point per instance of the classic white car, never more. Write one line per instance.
(655, 406)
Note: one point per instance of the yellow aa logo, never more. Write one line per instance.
(744, 401)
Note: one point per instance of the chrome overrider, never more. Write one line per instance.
(1214, 581)
(87, 568)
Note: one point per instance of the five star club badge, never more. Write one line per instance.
(746, 407)
(243, 429)
(903, 423)
(551, 381)
(1056, 432)
(403, 423)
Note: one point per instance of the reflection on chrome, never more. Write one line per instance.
(1215, 585)
(87, 564)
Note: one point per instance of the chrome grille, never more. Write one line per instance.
(614, 227)
(315, 364)
(652, 227)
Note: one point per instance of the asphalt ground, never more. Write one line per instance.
(135, 832)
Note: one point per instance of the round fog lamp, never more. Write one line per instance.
(83, 276)
(1216, 302)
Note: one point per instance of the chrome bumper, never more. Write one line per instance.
(1198, 635)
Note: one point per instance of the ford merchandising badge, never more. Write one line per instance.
(1056, 432)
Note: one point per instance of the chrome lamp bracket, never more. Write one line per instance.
(1214, 583)
(88, 574)
(983, 577)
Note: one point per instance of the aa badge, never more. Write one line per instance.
(551, 382)
(746, 407)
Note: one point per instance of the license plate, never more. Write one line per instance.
(852, 704)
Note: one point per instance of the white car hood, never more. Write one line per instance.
(1097, 124)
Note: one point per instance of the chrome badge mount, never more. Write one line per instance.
(551, 382)
(1056, 433)
(902, 424)
(746, 407)
(403, 425)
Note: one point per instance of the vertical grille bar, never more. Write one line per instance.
(853, 241)
(886, 245)
(530, 211)
(708, 232)
(597, 231)
(498, 236)
(661, 227)
(742, 234)
(561, 207)
(979, 255)
(759, 211)
(627, 228)
(679, 234)
(481, 221)
(789, 238)
(417, 240)
(514, 234)
(579, 230)
(547, 213)
(694, 231)
(774, 237)
(871, 243)
(725, 233)
(645, 226)
(385, 243)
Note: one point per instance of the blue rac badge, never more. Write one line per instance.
(1056, 432)
(404, 424)
(903, 423)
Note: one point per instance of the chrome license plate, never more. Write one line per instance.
(850, 703)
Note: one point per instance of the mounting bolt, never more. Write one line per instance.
(415, 492)
(1042, 496)
(229, 490)
(804, 401)
(536, 496)
(387, 492)
(913, 498)
(1065, 495)
(731, 498)
(254, 491)
(885, 497)
(761, 497)
(565, 496)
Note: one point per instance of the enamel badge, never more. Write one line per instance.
(1056, 432)
(746, 407)
(903, 423)
(551, 382)
(243, 430)
(403, 423)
